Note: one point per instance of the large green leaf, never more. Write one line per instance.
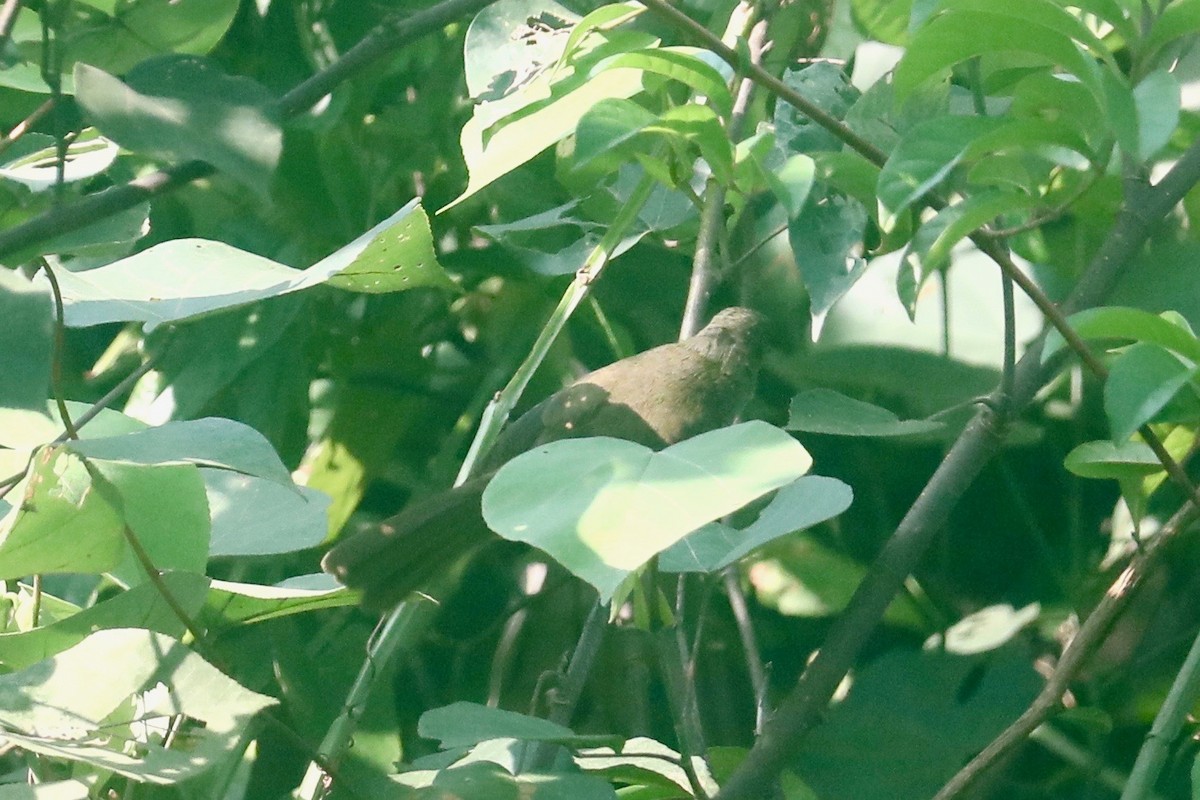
(116, 37)
(186, 278)
(931, 245)
(63, 523)
(824, 238)
(530, 100)
(1141, 383)
(82, 705)
(253, 517)
(463, 724)
(1123, 323)
(941, 710)
(801, 504)
(142, 606)
(830, 412)
(232, 604)
(166, 508)
(211, 442)
(25, 343)
(612, 133)
(603, 507)
(924, 158)
(1106, 459)
(87, 155)
(957, 35)
(184, 107)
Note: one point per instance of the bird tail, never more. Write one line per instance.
(412, 549)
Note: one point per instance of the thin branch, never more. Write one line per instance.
(768, 81)
(565, 700)
(164, 591)
(8, 18)
(1082, 647)
(22, 127)
(60, 399)
(745, 627)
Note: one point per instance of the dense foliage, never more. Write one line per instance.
(274, 270)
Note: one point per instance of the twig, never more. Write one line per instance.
(562, 707)
(1086, 642)
(56, 363)
(164, 591)
(767, 80)
(22, 127)
(745, 626)
(8, 18)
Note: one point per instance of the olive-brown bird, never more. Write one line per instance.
(655, 398)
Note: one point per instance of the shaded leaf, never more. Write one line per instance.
(185, 108)
(801, 504)
(827, 411)
(603, 507)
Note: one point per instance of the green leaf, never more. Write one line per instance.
(1105, 459)
(801, 504)
(59, 707)
(165, 506)
(1124, 323)
(1178, 19)
(463, 724)
(395, 255)
(650, 763)
(1141, 382)
(62, 523)
(684, 64)
(87, 155)
(26, 343)
(1157, 100)
(830, 412)
(230, 604)
(186, 278)
(210, 442)
(602, 18)
(106, 239)
(603, 507)
(184, 108)
(824, 239)
(791, 183)
(923, 159)
(512, 125)
(116, 37)
(883, 20)
(143, 607)
(613, 132)
(50, 790)
(825, 85)
(931, 246)
(955, 36)
(255, 517)
(942, 709)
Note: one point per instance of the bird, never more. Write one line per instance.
(655, 398)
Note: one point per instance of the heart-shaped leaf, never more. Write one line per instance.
(603, 507)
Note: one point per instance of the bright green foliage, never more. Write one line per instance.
(301, 246)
